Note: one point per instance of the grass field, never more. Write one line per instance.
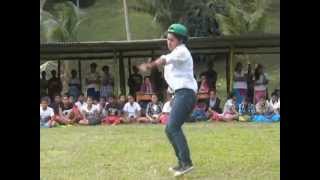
(219, 151)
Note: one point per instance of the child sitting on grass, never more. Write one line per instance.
(264, 112)
(113, 116)
(229, 111)
(132, 111)
(246, 110)
(164, 117)
(90, 113)
(199, 112)
(154, 109)
(68, 113)
(46, 115)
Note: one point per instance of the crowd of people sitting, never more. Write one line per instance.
(248, 102)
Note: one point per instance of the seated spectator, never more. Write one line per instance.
(74, 85)
(90, 113)
(240, 87)
(81, 101)
(46, 115)
(246, 110)
(164, 117)
(122, 101)
(113, 110)
(101, 107)
(146, 86)
(264, 112)
(229, 111)
(154, 109)
(199, 111)
(68, 113)
(213, 104)
(132, 111)
(203, 85)
(275, 102)
(56, 104)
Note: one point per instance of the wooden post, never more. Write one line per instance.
(122, 75)
(59, 68)
(129, 65)
(115, 72)
(80, 74)
(229, 72)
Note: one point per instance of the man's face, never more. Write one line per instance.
(212, 94)
(130, 98)
(122, 98)
(203, 78)
(110, 99)
(65, 101)
(102, 101)
(44, 104)
(81, 98)
(147, 80)
(57, 99)
(154, 99)
(71, 100)
(89, 101)
(172, 41)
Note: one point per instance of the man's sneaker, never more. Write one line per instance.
(174, 169)
(183, 170)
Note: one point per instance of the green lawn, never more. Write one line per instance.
(219, 151)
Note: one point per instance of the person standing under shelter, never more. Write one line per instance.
(135, 81)
(74, 85)
(211, 75)
(43, 85)
(93, 82)
(54, 85)
(107, 83)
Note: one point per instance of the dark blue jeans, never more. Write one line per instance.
(183, 103)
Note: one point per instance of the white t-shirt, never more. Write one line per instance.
(275, 105)
(178, 71)
(228, 106)
(45, 115)
(131, 109)
(91, 77)
(79, 105)
(166, 107)
(93, 109)
(240, 84)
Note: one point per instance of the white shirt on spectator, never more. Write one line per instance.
(166, 107)
(93, 109)
(46, 114)
(275, 105)
(178, 71)
(228, 106)
(131, 109)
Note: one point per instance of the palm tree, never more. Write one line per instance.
(61, 25)
(243, 17)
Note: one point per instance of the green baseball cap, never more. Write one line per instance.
(178, 29)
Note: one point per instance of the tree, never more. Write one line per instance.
(61, 25)
(243, 17)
